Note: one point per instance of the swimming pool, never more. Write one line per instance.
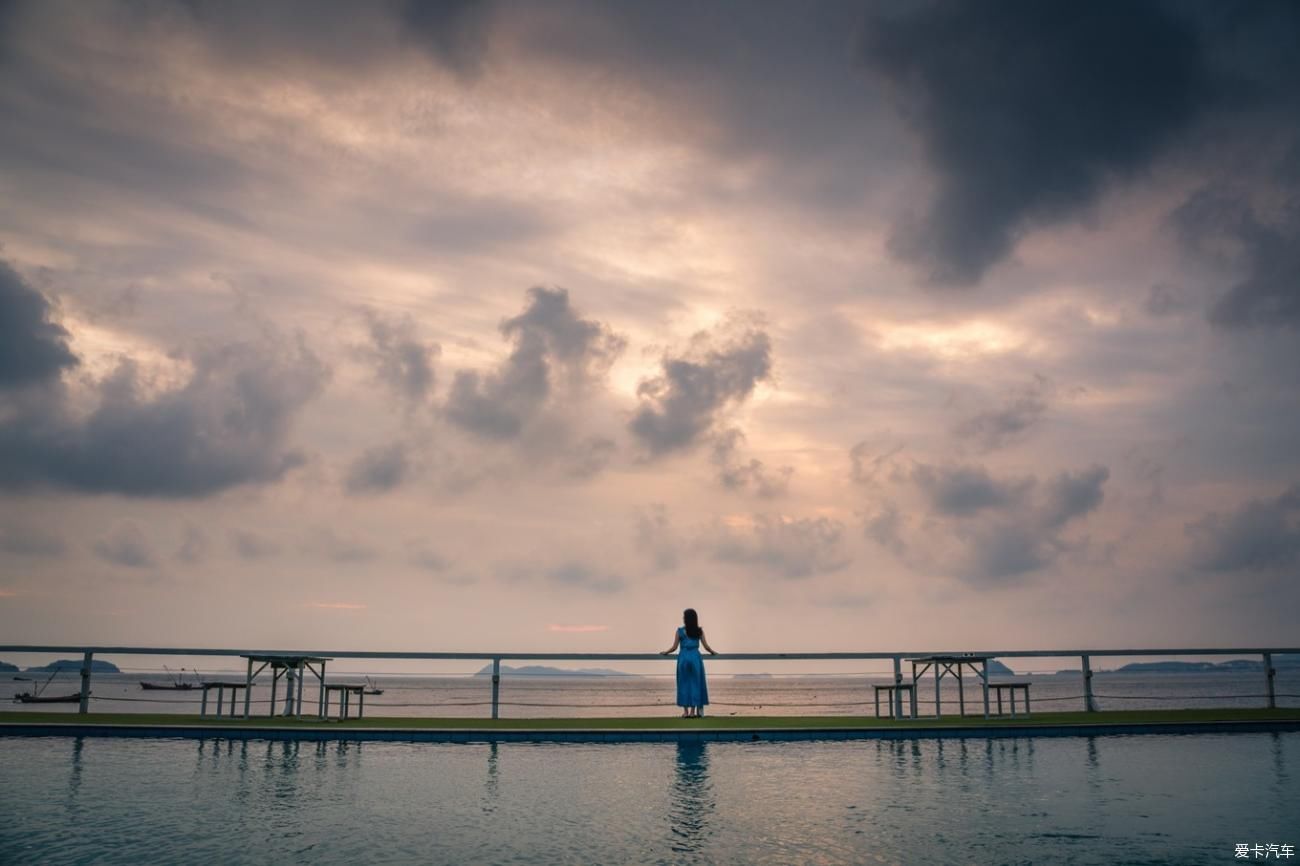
(1150, 799)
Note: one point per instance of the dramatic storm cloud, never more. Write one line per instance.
(989, 529)
(1260, 534)
(266, 329)
(33, 348)
(684, 403)
(1027, 110)
(555, 350)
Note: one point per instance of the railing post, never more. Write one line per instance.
(898, 692)
(496, 685)
(1089, 705)
(1268, 679)
(84, 706)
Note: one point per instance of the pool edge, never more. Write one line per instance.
(577, 735)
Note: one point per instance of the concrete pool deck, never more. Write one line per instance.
(654, 729)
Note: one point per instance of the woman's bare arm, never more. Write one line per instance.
(677, 639)
(705, 644)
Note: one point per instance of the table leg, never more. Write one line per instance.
(323, 709)
(361, 706)
(985, 677)
(877, 691)
(1026, 700)
(203, 705)
(248, 687)
(961, 690)
(298, 708)
(938, 677)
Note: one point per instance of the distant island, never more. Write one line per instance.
(97, 666)
(751, 676)
(544, 671)
(1231, 666)
(7, 668)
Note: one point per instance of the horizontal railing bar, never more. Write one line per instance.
(533, 656)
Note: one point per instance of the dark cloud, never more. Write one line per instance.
(25, 540)
(378, 470)
(684, 404)
(252, 545)
(454, 31)
(1165, 300)
(33, 347)
(885, 527)
(556, 353)
(1004, 549)
(1259, 535)
(226, 425)
(749, 476)
(1027, 110)
(986, 529)
(1010, 422)
(1068, 496)
(126, 546)
(1225, 226)
(962, 491)
(783, 547)
(401, 360)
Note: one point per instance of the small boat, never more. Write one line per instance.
(28, 698)
(177, 684)
(371, 688)
(25, 679)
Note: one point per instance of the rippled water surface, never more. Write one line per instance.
(1147, 799)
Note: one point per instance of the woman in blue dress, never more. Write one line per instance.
(692, 690)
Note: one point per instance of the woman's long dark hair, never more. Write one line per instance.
(692, 622)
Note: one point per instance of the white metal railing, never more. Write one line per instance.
(1085, 655)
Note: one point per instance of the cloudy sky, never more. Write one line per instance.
(492, 326)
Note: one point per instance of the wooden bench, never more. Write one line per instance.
(1010, 686)
(345, 692)
(221, 687)
(909, 688)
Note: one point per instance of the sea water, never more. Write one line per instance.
(1155, 799)
(575, 697)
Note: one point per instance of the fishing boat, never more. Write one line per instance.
(371, 688)
(41, 698)
(178, 682)
(28, 698)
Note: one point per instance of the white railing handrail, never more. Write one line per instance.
(612, 656)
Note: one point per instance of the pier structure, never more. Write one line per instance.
(300, 661)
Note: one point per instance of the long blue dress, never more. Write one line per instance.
(692, 690)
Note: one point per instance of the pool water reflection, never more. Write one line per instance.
(1152, 799)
